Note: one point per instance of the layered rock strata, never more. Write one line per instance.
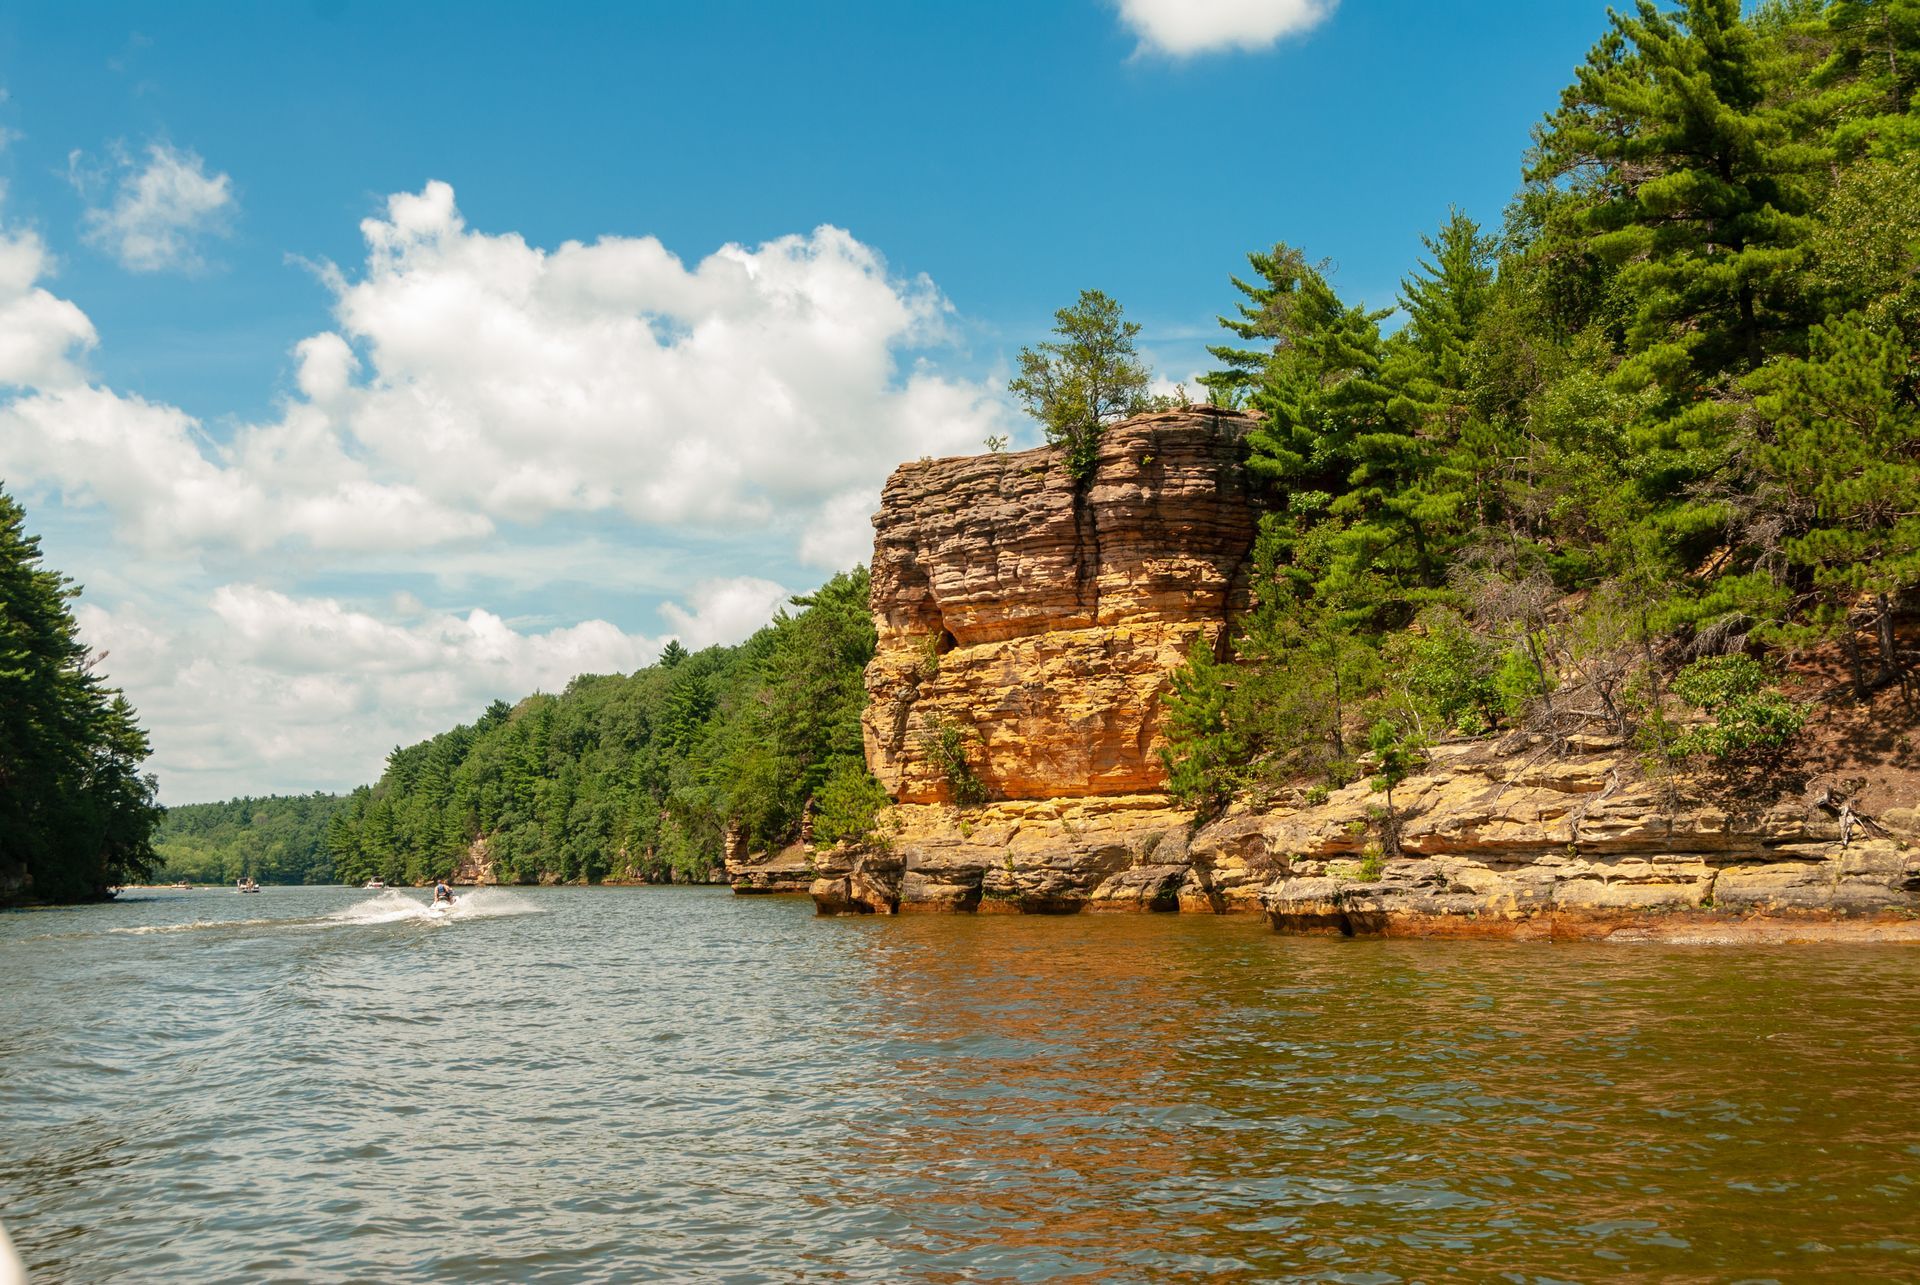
(1028, 628)
(1531, 843)
(1104, 852)
(1522, 844)
(1028, 623)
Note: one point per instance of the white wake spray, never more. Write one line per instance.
(390, 907)
(201, 925)
(393, 906)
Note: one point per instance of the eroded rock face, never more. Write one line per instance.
(1040, 620)
(15, 882)
(1580, 845)
(475, 867)
(792, 869)
(1100, 852)
(1504, 845)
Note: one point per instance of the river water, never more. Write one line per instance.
(615, 1084)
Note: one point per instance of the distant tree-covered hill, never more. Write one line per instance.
(637, 776)
(274, 839)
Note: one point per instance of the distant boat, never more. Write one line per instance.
(375, 883)
(184, 886)
(244, 884)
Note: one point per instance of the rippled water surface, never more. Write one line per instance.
(607, 1084)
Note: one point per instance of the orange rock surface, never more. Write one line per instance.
(1041, 620)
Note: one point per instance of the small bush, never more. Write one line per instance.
(1751, 717)
(1205, 755)
(846, 805)
(946, 745)
(1372, 864)
(1518, 682)
(1449, 669)
(1711, 683)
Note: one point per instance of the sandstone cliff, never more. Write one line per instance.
(1036, 624)
(1038, 620)
(1032, 627)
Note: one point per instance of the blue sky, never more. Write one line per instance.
(331, 487)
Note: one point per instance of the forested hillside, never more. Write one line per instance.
(1664, 420)
(76, 815)
(275, 839)
(636, 776)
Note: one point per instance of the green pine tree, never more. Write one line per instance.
(1844, 464)
(76, 815)
(1083, 381)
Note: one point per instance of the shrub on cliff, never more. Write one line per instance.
(1206, 753)
(945, 742)
(1750, 716)
(846, 805)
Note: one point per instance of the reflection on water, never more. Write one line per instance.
(603, 1084)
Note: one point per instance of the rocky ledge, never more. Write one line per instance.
(1521, 843)
(1532, 844)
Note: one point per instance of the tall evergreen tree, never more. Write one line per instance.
(1844, 464)
(76, 815)
(1312, 370)
(1693, 181)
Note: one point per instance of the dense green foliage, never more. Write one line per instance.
(276, 839)
(638, 776)
(1672, 408)
(76, 815)
(1749, 716)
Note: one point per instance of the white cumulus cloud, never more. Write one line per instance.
(475, 380)
(39, 333)
(1183, 28)
(145, 463)
(724, 611)
(758, 385)
(159, 209)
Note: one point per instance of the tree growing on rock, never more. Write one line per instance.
(1083, 381)
(1399, 750)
